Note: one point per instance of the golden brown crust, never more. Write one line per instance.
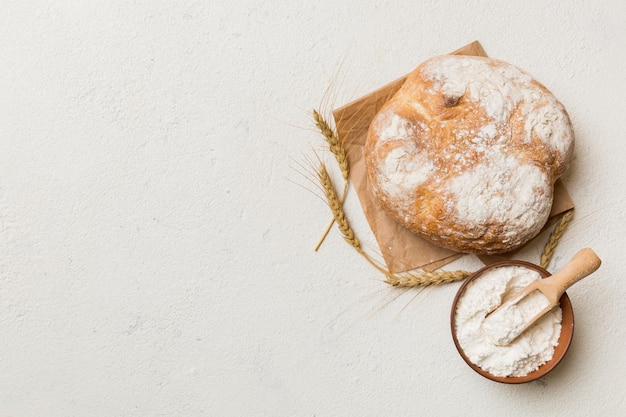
(466, 153)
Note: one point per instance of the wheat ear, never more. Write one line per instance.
(336, 207)
(555, 236)
(425, 279)
(336, 147)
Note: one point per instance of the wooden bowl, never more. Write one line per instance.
(567, 328)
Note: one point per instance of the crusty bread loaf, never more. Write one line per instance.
(466, 154)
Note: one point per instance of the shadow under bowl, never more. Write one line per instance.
(567, 328)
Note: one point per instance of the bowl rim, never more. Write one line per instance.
(565, 338)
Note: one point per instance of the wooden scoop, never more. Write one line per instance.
(523, 309)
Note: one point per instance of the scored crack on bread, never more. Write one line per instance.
(466, 153)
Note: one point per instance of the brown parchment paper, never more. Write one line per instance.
(401, 249)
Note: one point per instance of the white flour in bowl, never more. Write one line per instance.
(525, 354)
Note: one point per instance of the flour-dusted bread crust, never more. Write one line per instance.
(466, 154)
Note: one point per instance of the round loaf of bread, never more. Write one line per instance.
(466, 154)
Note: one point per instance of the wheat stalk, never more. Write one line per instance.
(334, 144)
(336, 207)
(424, 279)
(336, 147)
(555, 236)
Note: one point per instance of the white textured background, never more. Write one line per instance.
(156, 247)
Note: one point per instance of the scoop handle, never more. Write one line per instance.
(581, 265)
